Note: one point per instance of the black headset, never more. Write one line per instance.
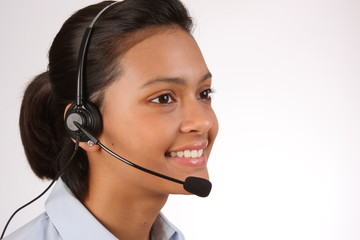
(86, 113)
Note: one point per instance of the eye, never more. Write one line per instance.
(206, 94)
(163, 99)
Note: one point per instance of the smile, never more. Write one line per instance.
(187, 153)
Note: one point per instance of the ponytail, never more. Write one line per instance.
(47, 147)
(36, 133)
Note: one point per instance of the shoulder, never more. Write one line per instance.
(40, 228)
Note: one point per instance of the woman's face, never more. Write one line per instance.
(158, 113)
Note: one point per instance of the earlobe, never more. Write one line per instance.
(89, 147)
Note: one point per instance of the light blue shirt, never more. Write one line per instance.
(66, 218)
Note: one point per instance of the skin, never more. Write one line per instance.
(143, 127)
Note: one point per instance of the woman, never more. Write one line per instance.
(145, 74)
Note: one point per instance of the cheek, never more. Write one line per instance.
(155, 131)
(138, 134)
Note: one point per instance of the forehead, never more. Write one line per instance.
(171, 52)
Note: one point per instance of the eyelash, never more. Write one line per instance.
(165, 98)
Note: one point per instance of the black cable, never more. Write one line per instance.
(41, 194)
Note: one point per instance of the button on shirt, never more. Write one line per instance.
(67, 219)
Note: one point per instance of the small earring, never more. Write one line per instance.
(90, 143)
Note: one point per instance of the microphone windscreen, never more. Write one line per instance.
(198, 186)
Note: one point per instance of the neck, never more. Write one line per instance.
(128, 213)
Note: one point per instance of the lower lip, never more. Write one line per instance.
(191, 162)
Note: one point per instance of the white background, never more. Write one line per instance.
(286, 164)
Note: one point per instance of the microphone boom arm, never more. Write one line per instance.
(137, 166)
(96, 141)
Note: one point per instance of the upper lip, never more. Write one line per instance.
(192, 146)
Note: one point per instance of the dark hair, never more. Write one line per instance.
(47, 145)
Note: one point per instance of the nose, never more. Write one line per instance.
(197, 118)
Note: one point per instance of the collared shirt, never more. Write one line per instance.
(67, 219)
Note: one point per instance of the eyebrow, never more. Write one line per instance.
(179, 81)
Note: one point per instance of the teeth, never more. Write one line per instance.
(188, 153)
(200, 152)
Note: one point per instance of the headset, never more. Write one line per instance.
(85, 113)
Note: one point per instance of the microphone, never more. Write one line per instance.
(199, 186)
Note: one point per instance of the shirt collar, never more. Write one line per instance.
(73, 221)
(163, 229)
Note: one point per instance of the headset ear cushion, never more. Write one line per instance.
(88, 115)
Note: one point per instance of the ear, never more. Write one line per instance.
(66, 109)
(83, 145)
